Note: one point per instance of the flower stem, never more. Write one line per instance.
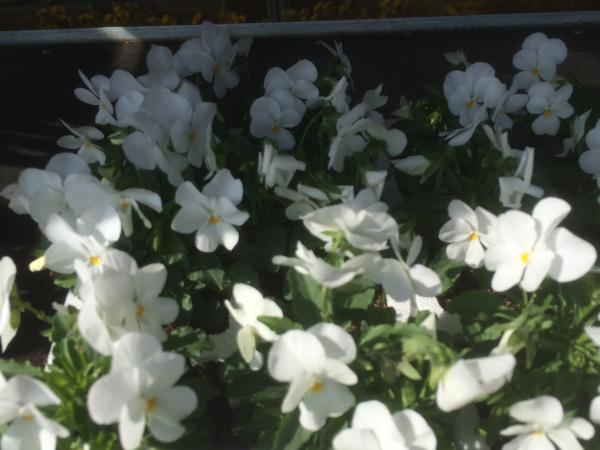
(325, 304)
(308, 126)
(20, 304)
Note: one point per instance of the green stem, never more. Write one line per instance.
(326, 310)
(308, 126)
(591, 311)
(22, 305)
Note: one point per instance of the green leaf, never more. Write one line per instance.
(304, 293)
(447, 270)
(171, 247)
(10, 367)
(213, 278)
(290, 435)
(408, 370)
(66, 281)
(61, 325)
(358, 294)
(279, 324)
(376, 332)
(189, 341)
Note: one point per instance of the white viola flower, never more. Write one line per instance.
(528, 248)
(589, 160)
(349, 139)
(307, 263)
(159, 61)
(374, 181)
(405, 282)
(550, 106)
(510, 103)
(96, 95)
(212, 55)
(212, 213)
(544, 426)
(513, 188)
(461, 136)
(394, 139)
(40, 193)
(29, 429)
(374, 428)
(140, 390)
(216, 58)
(499, 139)
(166, 108)
(438, 317)
(125, 299)
(338, 96)
(195, 137)
(306, 199)
(469, 379)
(8, 326)
(367, 198)
(127, 108)
(121, 82)
(577, 133)
(375, 100)
(412, 165)
(298, 80)
(538, 59)
(465, 424)
(363, 229)
(338, 52)
(595, 409)
(470, 91)
(315, 363)
(467, 233)
(81, 139)
(88, 241)
(275, 169)
(456, 58)
(145, 154)
(270, 120)
(249, 306)
(81, 189)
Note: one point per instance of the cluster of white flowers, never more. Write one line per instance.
(520, 248)
(162, 122)
(475, 95)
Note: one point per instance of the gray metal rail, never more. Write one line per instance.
(304, 29)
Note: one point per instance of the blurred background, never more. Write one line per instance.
(48, 14)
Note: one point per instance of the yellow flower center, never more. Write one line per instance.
(535, 71)
(471, 103)
(150, 405)
(191, 136)
(317, 387)
(275, 128)
(27, 417)
(95, 261)
(305, 200)
(216, 67)
(537, 434)
(473, 236)
(139, 311)
(214, 219)
(125, 205)
(548, 113)
(525, 258)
